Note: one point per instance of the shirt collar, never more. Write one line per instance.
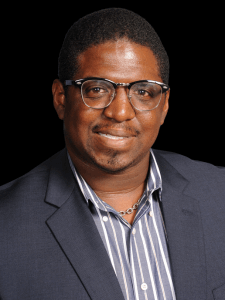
(154, 183)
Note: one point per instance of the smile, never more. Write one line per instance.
(112, 137)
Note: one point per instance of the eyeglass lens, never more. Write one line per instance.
(99, 94)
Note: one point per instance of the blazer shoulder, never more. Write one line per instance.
(190, 168)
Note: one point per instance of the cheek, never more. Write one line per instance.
(151, 122)
(78, 122)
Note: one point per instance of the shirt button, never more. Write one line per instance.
(134, 231)
(151, 214)
(105, 219)
(144, 286)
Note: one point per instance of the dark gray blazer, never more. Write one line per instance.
(50, 248)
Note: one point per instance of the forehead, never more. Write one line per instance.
(120, 61)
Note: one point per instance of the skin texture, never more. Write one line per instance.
(115, 169)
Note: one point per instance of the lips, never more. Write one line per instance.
(112, 137)
(115, 133)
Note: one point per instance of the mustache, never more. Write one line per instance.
(123, 127)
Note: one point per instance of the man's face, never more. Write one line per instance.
(120, 61)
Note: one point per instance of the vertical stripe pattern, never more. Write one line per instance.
(138, 252)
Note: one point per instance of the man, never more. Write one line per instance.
(108, 217)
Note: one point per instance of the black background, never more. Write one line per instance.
(31, 37)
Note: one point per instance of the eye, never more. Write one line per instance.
(143, 93)
(145, 90)
(96, 90)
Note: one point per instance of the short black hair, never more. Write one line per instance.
(106, 25)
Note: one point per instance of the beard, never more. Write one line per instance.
(113, 162)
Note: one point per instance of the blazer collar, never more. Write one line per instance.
(61, 181)
(74, 229)
(185, 235)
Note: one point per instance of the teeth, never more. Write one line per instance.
(113, 137)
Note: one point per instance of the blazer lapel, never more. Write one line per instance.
(185, 235)
(75, 231)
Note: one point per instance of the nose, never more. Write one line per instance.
(120, 109)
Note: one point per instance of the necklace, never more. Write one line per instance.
(135, 206)
(130, 210)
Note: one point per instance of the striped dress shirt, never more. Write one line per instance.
(138, 252)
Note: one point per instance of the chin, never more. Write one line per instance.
(112, 168)
(113, 164)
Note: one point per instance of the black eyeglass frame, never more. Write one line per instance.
(79, 83)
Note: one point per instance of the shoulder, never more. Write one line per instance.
(189, 168)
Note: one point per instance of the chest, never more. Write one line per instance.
(138, 252)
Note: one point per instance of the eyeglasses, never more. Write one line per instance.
(99, 93)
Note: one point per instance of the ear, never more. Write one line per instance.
(59, 98)
(165, 106)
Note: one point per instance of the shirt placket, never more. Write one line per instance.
(141, 283)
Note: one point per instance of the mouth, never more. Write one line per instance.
(115, 133)
(112, 137)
